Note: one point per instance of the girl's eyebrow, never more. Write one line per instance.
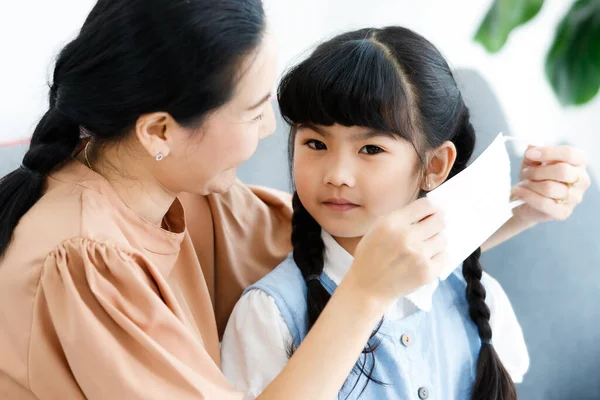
(313, 127)
(360, 136)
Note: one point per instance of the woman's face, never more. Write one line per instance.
(347, 177)
(207, 159)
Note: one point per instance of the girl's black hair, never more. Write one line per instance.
(391, 80)
(131, 58)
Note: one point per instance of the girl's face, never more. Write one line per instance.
(348, 177)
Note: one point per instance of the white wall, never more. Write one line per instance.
(32, 32)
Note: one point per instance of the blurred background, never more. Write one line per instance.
(551, 273)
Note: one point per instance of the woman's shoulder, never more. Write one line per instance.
(66, 213)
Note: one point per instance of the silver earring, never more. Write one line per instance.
(159, 157)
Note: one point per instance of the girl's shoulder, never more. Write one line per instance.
(486, 279)
(285, 280)
(495, 294)
(286, 287)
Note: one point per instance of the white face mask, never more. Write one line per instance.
(476, 202)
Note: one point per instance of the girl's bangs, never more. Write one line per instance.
(351, 84)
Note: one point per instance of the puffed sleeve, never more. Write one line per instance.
(119, 332)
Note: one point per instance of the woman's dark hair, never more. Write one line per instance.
(392, 80)
(131, 58)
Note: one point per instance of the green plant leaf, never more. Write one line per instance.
(502, 17)
(573, 62)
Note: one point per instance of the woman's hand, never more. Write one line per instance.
(553, 183)
(401, 252)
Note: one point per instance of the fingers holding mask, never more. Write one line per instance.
(554, 180)
(564, 164)
(560, 192)
(428, 233)
(555, 208)
(557, 154)
(435, 245)
(559, 172)
(429, 226)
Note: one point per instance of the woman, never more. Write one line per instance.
(105, 292)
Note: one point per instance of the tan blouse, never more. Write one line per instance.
(97, 303)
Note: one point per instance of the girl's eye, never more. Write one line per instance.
(260, 117)
(315, 144)
(371, 149)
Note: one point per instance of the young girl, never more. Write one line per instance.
(377, 121)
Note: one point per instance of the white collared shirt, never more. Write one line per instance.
(256, 340)
(338, 262)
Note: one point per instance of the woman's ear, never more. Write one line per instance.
(439, 164)
(152, 131)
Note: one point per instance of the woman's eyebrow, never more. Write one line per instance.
(260, 103)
